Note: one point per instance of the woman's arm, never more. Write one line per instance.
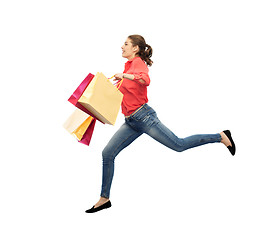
(128, 76)
(119, 76)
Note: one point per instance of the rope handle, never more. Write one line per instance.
(118, 84)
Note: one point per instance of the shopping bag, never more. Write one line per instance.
(80, 131)
(78, 93)
(78, 124)
(102, 99)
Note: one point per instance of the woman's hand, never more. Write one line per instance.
(118, 76)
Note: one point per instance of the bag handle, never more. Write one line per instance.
(118, 84)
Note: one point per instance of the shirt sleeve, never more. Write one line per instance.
(140, 71)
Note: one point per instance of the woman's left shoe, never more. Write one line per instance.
(104, 206)
(232, 148)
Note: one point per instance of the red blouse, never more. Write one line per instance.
(134, 92)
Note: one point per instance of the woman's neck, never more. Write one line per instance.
(132, 57)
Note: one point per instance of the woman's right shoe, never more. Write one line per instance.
(232, 148)
(104, 206)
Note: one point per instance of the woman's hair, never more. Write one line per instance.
(145, 50)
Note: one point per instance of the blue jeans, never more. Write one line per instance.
(146, 121)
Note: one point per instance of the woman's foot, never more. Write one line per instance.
(103, 203)
(227, 140)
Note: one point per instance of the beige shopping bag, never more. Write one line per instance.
(102, 99)
(78, 123)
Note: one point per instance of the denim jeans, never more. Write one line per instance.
(145, 120)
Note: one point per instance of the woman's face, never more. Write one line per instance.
(128, 50)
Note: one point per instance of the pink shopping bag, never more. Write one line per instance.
(79, 91)
(74, 100)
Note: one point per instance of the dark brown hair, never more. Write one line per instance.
(145, 50)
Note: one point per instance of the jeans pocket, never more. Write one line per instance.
(141, 114)
(143, 120)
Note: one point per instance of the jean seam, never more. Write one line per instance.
(106, 186)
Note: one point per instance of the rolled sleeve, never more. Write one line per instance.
(142, 76)
(140, 71)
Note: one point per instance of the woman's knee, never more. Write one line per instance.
(107, 154)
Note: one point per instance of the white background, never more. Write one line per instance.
(214, 69)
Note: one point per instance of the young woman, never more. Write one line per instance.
(141, 118)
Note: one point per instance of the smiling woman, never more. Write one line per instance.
(135, 45)
(141, 118)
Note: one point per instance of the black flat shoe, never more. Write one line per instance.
(232, 148)
(104, 206)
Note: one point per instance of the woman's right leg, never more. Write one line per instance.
(121, 139)
(163, 135)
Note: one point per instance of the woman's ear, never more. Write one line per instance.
(136, 49)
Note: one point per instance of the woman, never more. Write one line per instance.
(141, 118)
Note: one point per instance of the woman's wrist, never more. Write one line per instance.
(128, 76)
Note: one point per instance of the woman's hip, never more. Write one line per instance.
(142, 119)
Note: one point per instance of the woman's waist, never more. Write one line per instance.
(130, 104)
(143, 108)
(131, 113)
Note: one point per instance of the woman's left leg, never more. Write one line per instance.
(120, 140)
(162, 134)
